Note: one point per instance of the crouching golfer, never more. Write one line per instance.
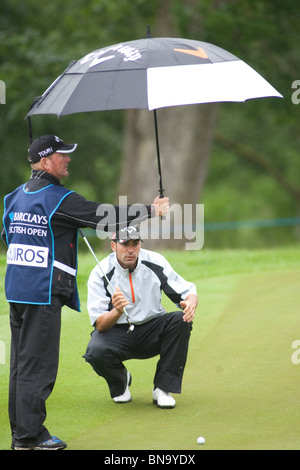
(139, 276)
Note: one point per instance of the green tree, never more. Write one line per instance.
(39, 39)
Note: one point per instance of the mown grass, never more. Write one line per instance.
(240, 386)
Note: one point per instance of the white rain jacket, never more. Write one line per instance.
(142, 287)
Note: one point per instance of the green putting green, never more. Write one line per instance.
(240, 388)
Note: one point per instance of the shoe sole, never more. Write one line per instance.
(164, 407)
(50, 448)
(122, 402)
(40, 448)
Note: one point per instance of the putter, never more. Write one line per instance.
(131, 326)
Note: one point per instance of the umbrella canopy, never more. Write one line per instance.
(149, 74)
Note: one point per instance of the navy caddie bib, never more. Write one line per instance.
(30, 255)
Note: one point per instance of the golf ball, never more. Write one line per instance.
(201, 440)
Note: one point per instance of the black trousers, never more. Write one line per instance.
(35, 335)
(167, 335)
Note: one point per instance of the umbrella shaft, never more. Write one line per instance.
(161, 190)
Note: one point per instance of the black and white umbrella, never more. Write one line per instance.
(152, 73)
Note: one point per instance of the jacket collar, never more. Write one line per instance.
(40, 174)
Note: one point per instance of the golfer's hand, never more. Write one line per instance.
(189, 310)
(118, 300)
(161, 205)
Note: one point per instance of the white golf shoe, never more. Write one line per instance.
(126, 396)
(163, 399)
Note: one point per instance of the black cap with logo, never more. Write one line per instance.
(45, 145)
(126, 234)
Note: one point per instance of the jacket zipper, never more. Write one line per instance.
(131, 287)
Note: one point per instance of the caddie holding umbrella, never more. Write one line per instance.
(40, 227)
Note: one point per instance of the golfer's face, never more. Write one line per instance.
(127, 253)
